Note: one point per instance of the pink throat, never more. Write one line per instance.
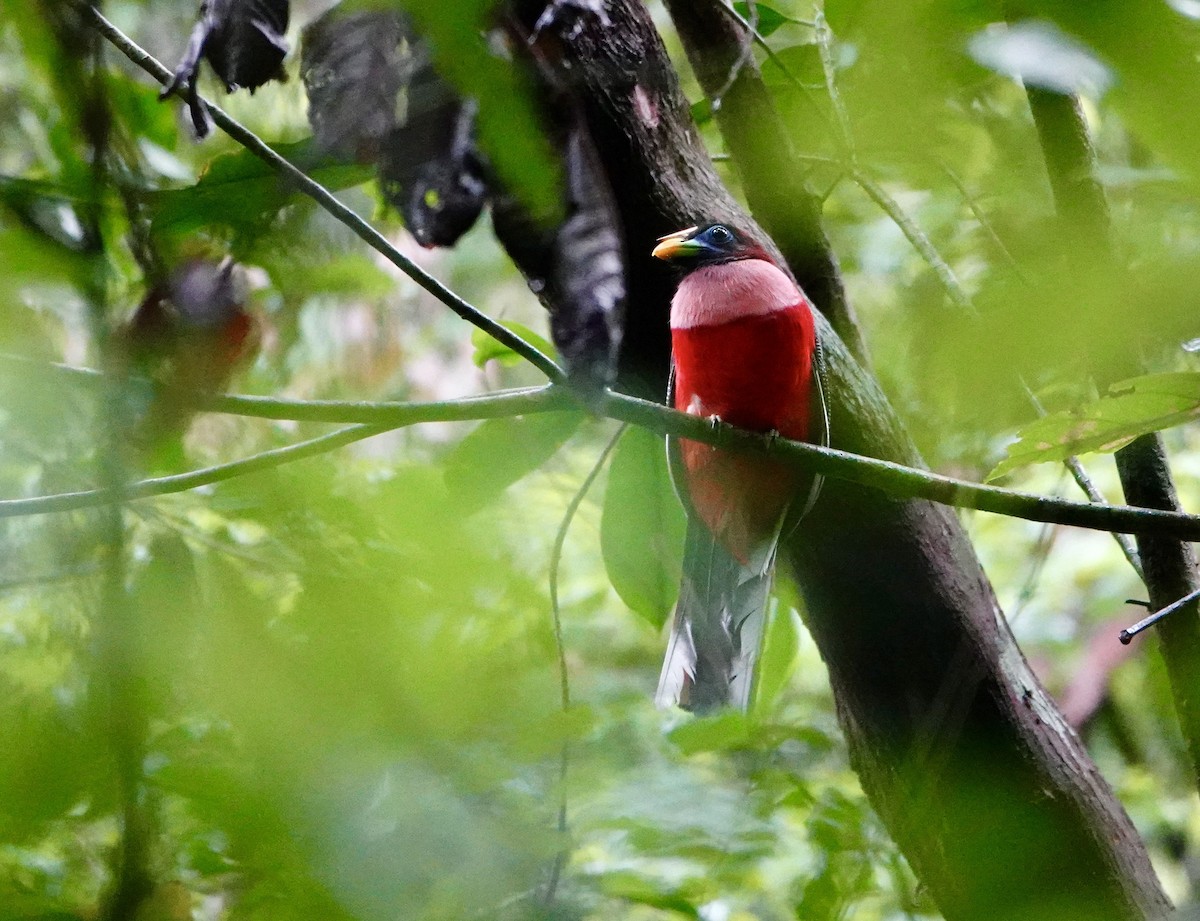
(732, 291)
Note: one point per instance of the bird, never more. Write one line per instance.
(189, 336)
(744, 351)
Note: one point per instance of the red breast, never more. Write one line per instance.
(743, 339)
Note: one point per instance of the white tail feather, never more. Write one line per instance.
(679, 667)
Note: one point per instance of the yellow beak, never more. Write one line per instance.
(674, 244)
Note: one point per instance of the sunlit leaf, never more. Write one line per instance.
(631, 887)
(1131, 408)
(1040, 54)
(726, 731)
(769, 19)
(487, 348)
(642, 531)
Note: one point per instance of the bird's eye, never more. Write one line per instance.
(720, 234)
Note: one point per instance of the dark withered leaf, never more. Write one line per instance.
(430, 170)
(243, 42)
(590, 272)
(430, 167)
(373, 94)
(577, 269)
(351, 67)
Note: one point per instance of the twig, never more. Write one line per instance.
(1169, 565)
(1039, 555)
(982, 219)
(560, 540)
(886, 476)
(805, 91)
(512, 402)
(330, 203)
(924, 246)
(1126, 636)
(920, 242)
(824, 37)
(744, 53)
(50, 578)
(1085, 482)
(181, 482)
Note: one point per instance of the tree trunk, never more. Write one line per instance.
(986, 789)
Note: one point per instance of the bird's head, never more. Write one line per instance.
(707, 244)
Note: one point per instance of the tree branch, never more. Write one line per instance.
(181, 482)
(330, 203)
(896, 600)
(716, 40)
(889, 477)
(1169, 565)
(925, 248)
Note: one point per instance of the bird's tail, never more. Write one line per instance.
(718, 627)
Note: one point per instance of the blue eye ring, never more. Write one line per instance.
(720, 235)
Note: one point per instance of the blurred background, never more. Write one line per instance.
(340, 675)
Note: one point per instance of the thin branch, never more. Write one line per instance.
(920, 242)
(1126, 636)
(331, 204)
(982, 219)
(181, 482)
(805, 91)
(387, 413)
(1092, 491)
(743, 57)
(560, 540)
(824, 37)
(886, 476)
(1084, 481)
(51, 578)
(924, 246)
(899, 480)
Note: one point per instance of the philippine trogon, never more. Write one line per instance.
(744, 351)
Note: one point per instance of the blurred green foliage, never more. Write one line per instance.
(345, 668)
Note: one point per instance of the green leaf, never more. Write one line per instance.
(238, 189)
(778, 658)
(487, 348)
(1131, 408)
(726, 731)
(1148, 46)
(801, 62)
(499, 452)
(642, 528)
(632, 887)
(769, 18)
